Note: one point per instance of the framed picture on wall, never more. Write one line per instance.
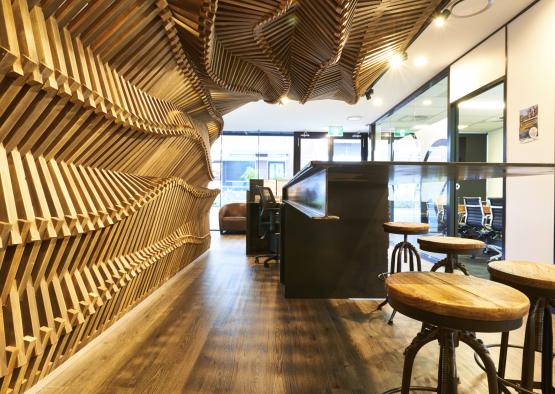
(528, 129)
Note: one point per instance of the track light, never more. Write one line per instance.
(284, 100)
(453, 9)
(369, 93)
(397, 60)
(441, 18)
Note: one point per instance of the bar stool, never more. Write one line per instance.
(452, 308)
(537, 281)
(452, 247)
(403, 252)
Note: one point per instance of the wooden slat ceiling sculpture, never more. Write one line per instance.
(304, 49)
(107, 112)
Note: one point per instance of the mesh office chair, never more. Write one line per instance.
(474, 218)
(268, 224)
(494, 235)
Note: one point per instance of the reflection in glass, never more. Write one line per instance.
(310, 192)
(480, 139)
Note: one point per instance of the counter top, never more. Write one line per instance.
(381, 172)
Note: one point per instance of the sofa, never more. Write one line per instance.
(233, 217)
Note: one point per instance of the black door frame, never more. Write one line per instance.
(299, 135)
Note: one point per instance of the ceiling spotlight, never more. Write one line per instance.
(420, 61)
(396, 61)
(427, 102)
(284, 100)
(354, 118)
(377, 102)
(441, 18)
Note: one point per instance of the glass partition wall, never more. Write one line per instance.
(417, 131)
(427, 128)
(480, 138)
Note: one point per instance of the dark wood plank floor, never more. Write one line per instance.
(222, 326)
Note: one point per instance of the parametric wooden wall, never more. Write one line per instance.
(102, 183)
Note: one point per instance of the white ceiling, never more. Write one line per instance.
(441, 46)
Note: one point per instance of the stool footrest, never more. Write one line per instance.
(418, 388)
(513, 383)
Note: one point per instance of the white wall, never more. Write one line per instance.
(494, 187)
(483, 65)
(531, 80)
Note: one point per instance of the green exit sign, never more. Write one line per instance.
(335, 131)
(401, 133)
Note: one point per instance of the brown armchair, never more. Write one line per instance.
(233, 217)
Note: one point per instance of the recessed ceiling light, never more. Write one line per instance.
(463, 126)
(427, 102)
(420, 61)
(419, 126)
(396, 61)
(377, 101)
(354, 118)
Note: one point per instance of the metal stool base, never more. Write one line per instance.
(539, 307)
(403, 252)
(447, 371)
(450, 263)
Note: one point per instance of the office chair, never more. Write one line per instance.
(494, 234)
(442, 219)
(269, 224)
(474, 218)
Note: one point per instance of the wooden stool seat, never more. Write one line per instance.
(406, 228)
(525, 275)
(452, 309)
(450, 245)
(457, 301)
(537, 281)
(403, 252)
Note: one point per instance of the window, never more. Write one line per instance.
(276, 170)
(237, 158)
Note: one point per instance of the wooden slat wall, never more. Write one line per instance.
(103, 171)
